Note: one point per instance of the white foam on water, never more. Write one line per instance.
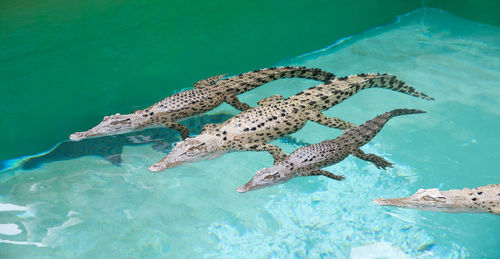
(10, 229)
(378, 250)
(11, 207)
(21, 243)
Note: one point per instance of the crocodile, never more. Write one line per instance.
(276, 117)
(480, 199)
(308, 160)
(206, 95)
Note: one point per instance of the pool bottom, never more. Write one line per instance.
(83, 213)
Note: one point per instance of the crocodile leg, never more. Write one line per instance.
(324, 173)
(235, 102)
(276, 152)
(495, 210)
(183, 130)
(208, 126)
(317, 116)
(377, 160)
(208, 82)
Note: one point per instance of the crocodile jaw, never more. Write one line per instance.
(267, 177)
(426, 199)
(162, 165)
(110, 125)
(202, 147)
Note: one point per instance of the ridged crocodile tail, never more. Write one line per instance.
(389, 81)
(329, 94)
(304, 72)
(366, 131)
(248, 81)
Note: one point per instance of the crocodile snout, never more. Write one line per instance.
(77, 136)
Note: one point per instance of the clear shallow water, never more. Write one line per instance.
(87, 207)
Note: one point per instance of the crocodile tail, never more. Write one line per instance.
(368, 130)
(381, 119)
(304, 72)
(404, 111)
(325, 96)
(389, 81)
(245, 82)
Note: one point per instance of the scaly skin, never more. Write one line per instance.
(308, 160)
(251, 130)
(480, 199)
(207, 95)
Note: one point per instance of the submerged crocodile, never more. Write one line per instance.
(308, 160)
(208, 94)
(480, 199)
(251, 130)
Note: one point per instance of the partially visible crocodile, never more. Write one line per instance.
(308, 160)
(251, 130)
(480, 199)
(208, 94)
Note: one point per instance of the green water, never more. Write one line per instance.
(88, 208)
(66, 64)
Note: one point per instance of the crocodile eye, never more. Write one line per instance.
(272, 176)
(436, 199)
(193, 151)
(427, 198)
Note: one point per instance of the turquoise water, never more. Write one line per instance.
(88, 207)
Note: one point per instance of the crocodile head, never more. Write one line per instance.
(111, 125)
(201, 147)
(267, 177)
(423, 199)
